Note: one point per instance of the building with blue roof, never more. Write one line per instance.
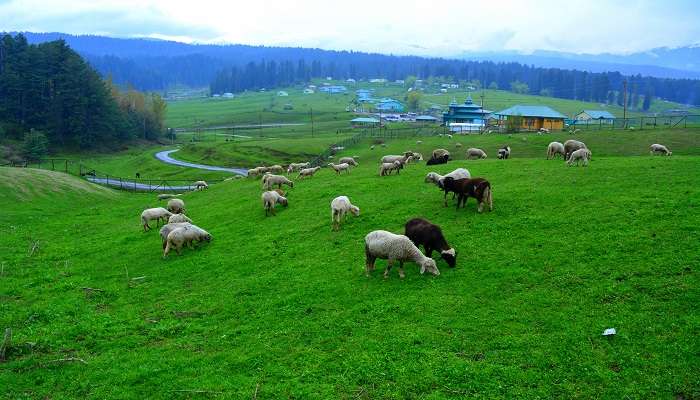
(600, 116)
(389, 105)
(466, 112)
(333, 89)
(533, 117)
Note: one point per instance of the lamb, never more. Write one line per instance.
(458, 145)
(270, 199)
(438, 160)
(554, 149)
(659, 149)
(386, 168)
(437, 179)
(504, 153)
(200, 185)
(151, 214)
(583, 155)
(340, 167)
(308, 172)
(177, 218)
(479, 188)
(185, 235)
(392, 158)
(166, 229)
(339, 207)
(271, 180)
(474, 152)
(277, 169)
(348, 160)
(572, 145)
(439, 153)
(166, 196)
(176, 206)
(391, 247)
(423, 232)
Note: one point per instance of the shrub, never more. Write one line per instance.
(35, 145)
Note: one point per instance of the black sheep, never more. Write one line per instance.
(439, 160)
(423, 232)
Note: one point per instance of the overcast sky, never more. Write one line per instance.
(422, 27)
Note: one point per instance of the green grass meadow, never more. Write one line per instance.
(279, 307)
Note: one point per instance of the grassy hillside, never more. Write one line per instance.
(279, 307)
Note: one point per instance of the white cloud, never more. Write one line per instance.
(400, 27)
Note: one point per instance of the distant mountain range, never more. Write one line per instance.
(678, 63)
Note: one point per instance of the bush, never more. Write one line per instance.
(35, 145)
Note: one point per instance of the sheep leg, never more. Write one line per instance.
(178, 248)
(166, 249)
(401, 274)
(428, 251)
(146, 227)
(388, 268)
(369, 261)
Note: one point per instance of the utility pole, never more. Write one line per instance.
(624, 100)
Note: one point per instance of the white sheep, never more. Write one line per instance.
(392, 158)
(257, 171)
(458, 144)
(386, 168)
(307, 172)
(419, 142)
(176, 218)
(340, 206)
(449, 136)
(338, 168)
(297, 166)
(270, 199)
(348, 160)
(391, 247)
(439, 153)
(184, 235)
(277, 169)
(555, 148)
(583, 155)
(437, 179)
(659, 149)
(271, 180)
(572, 145)
(176, 206)
(383, 144)
(166, 229)
(200, 185)
(371, 147)
(151, 214)
(474, 152)
(543, 130)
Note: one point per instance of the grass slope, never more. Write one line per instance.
(280, 307)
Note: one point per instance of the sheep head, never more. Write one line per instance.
(283, 201)
(429, 265)
(355, 210)
(450, 257)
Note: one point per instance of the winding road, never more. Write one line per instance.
(162, 185)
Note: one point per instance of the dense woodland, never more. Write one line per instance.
(157, 65)
(49, 90)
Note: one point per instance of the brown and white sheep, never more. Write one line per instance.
(424, 233)
(479, 188)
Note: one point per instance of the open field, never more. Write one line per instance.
(279, 307)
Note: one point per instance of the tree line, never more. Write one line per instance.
(49, 90)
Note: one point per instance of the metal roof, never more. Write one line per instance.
(366, 120)
(425, 118)
(598, 114)
(531, 111)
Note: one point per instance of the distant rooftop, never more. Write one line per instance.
(531, 111)
(599, 114)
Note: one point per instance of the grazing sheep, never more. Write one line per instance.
(391, 247)
(275, 169)
(555, 148)
(583, 155)
(157, 214)
(572, 145)
(340, 206)
(297, 167)
(348, 160)
(200, 185)
(166, 229)
(659, 149)
(270, 199)
(340, 167)
(271, 180)
(371, 147)
(458, 144)
(307, 172)
(392, 158)
(449, 136)
(438, 160)
(437, 179)
(439, 153)
(479, 188)
(383, 144)
(185, 235)
(504, 153)
(476, 153)
(544, 130)
(166, 196)
(419, 142)
(386, 168)
(176, 218)
(257, 171)
(176, 206)
(424, 233)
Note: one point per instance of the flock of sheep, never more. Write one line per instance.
(178, 230)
